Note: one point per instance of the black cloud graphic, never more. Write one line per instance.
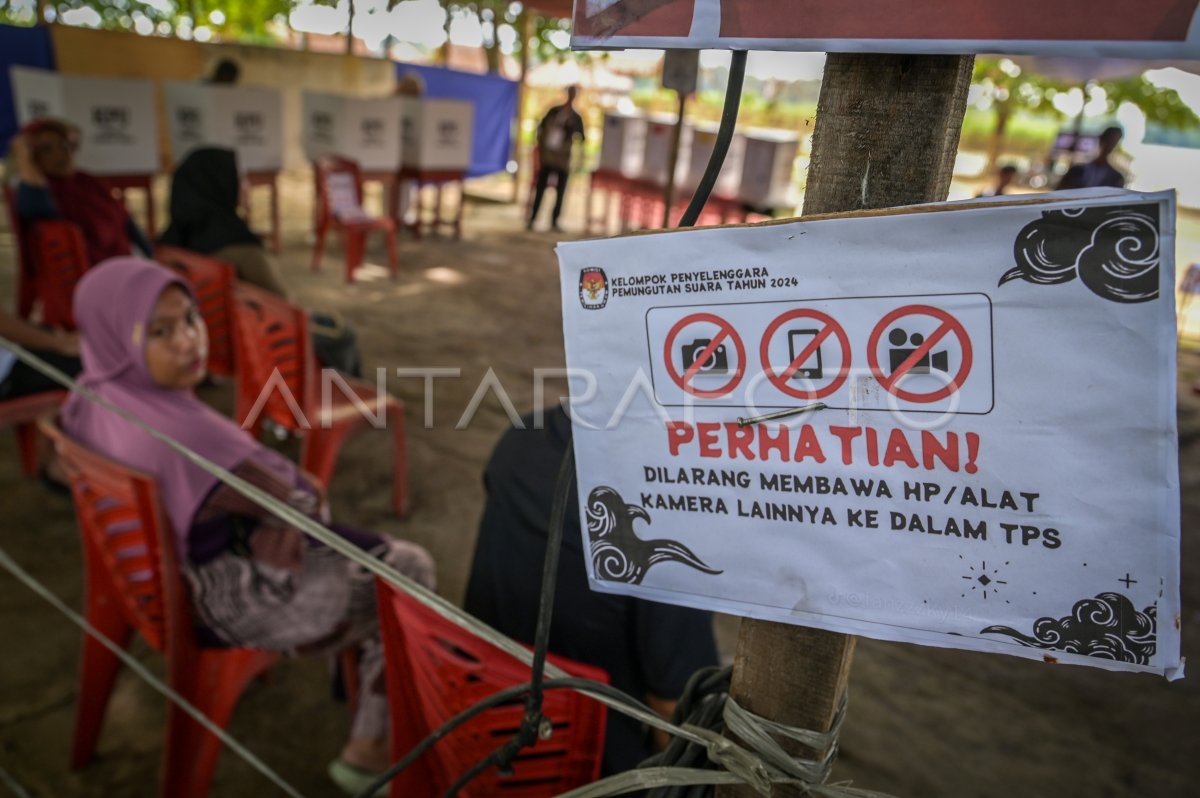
(1113, 250)
(1107, 626)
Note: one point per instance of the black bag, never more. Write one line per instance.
(335, 343)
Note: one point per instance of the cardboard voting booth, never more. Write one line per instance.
(247, 120)
(623, 144)
(767, 162)
(118, 126)
(729, 179)
(912, 424)
(656, 160)
(437, 134)
(366, 130)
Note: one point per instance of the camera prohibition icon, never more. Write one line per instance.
(698, 349)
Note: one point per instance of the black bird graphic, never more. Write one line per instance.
(618, 554)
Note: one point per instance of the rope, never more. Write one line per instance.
(741, 765)
(305, 524)
(13, 785)
(37, 587)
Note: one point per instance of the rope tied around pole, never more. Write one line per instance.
(759, 732)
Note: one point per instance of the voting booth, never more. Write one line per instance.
(436, 134)
(729, 179)
(622, 144)
(660, 132)
(247, 120)
(767, 168)
(366, 130)
(118, 129)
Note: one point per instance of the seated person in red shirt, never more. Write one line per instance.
(50, 187)
(649, 649)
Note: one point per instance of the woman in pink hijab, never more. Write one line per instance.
(254, 580)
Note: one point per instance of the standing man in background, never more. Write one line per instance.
(1098, 172)
(555, 137)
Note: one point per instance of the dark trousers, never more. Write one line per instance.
(24, 381)
(560, 192)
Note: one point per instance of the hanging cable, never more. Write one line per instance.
(729, 114)
(493, 700)
(531, 724)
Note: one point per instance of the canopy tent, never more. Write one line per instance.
(590, 76)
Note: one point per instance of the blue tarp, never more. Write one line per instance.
(19, 47)
(495, 101)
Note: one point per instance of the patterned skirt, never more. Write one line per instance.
(324, 607)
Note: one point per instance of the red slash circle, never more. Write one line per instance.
(948, 325)
(724, 330)
(780, 378)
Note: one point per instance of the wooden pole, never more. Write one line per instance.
(886, 134)
(525, 31)
(350, 31)
(673, 161)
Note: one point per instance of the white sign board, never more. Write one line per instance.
(1104, 28)
(366, 130)
(437, 134)
(992, 462)
(247, 120)
(118, 127)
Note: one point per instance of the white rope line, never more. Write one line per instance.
(334, 541)
(742, 765)
(13, 785)
(37, 587)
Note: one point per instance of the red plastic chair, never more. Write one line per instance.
(26, 288)
(271, 338)
(51, 257)
(133, 583)
(435, 670)
(22, 413)
(339, 204)
(212, 280)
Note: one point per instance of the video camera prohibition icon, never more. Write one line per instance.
(911, 352)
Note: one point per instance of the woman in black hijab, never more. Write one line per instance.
(204, 217)
(205, 190)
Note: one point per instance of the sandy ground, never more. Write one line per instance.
(923, 722)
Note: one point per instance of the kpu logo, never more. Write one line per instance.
(372, 132)
(111, 124)
(322, 127)
(249, 127)
(447, 133)
(189, 123)
(593, 288)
